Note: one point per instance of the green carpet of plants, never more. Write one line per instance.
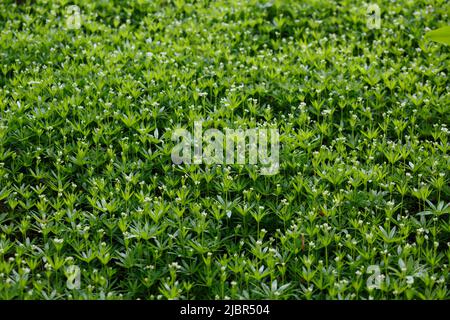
(358, 210)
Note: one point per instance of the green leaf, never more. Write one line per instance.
(441, 35)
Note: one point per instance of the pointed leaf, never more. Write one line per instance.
(441, 35)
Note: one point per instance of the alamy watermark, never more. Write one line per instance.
(73, 17)
(376, 279)
(73, 274)
(235, 146)
(373, 16)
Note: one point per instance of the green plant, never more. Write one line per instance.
(88, 187)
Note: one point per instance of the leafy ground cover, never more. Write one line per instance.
(358, 210)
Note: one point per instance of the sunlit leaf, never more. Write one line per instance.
(441, 35)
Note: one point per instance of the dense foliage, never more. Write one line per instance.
(358, 210)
